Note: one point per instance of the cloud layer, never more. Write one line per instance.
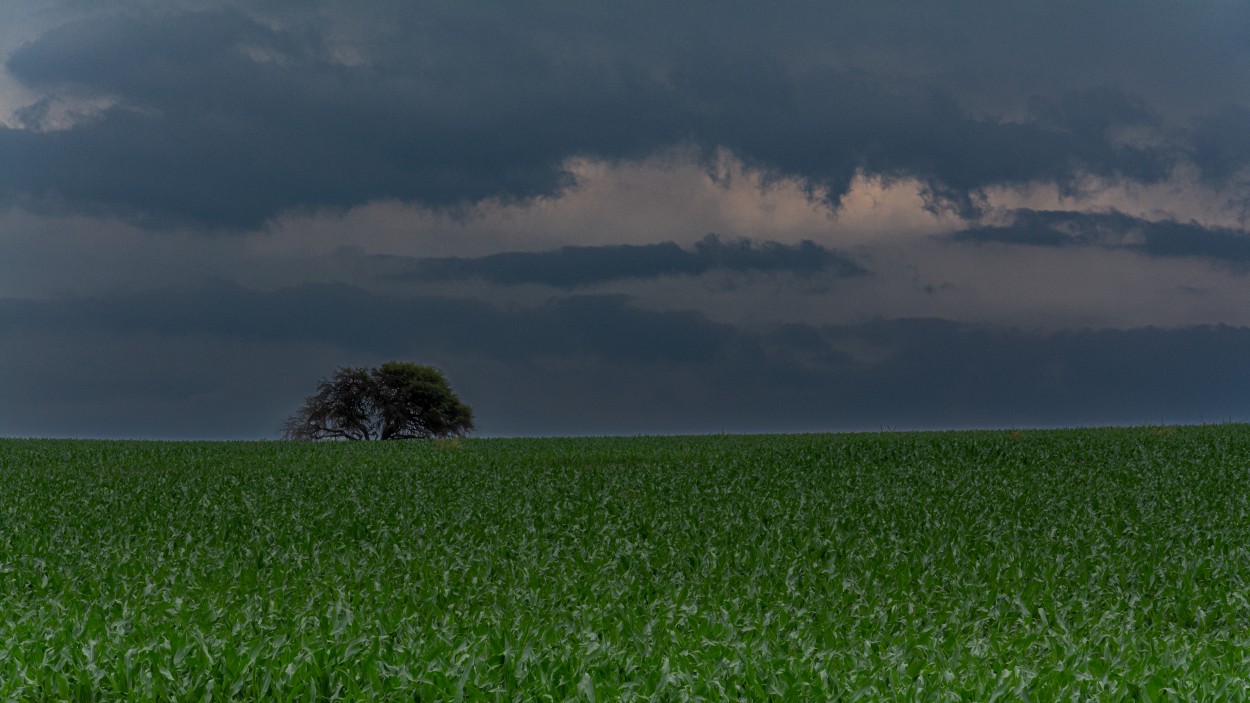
(217, 119)
(575, 267)
(1115, 230)
(589, 364)
(966, 213)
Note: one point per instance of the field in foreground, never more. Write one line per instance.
(1105, 564)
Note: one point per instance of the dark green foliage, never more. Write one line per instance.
(1089, 565)
(397, 400)
(414, 400)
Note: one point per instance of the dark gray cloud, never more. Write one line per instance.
(228, 361)
(224, 121)
(1116, 230)
(221, 115)
(208, 135)
(603, 327)
(578, 266)
(1220, 146)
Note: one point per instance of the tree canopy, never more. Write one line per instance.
(397, 400)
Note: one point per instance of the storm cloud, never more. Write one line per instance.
(574, 267)
(353, 319)
(217, 120)
(1115, 230)
(599, 364)
(954, 214)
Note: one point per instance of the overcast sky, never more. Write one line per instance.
(619, 218)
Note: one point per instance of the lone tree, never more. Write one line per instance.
(397, 400)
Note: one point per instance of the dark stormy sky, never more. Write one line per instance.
(642, 217)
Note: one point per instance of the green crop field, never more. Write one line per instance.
(1104, 564)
